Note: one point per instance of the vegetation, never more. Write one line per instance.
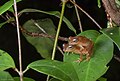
(42, 34)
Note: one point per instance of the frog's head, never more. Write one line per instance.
(68, 48)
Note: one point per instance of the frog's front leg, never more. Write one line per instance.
(88, 56)
(80, 58)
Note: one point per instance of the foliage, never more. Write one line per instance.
(6, 6)
(84, 71)
(44, 48)
(68, 69)
(6, 61)
(113, 34)
(5, 76)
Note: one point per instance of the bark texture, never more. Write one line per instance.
(112, 10)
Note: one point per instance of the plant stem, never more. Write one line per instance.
(19, 42)
(86, 14)
(78, 17)
(58, 31)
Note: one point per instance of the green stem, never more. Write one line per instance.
(58, 31)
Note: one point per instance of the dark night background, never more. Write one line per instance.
(8, 36)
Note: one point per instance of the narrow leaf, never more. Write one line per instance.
(6, 6)
(113, 34)
(5, 76)
(54, 13)
(6, 61)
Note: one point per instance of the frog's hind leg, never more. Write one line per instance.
(88, 56)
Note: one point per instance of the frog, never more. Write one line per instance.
(83, 42)
(77, 50)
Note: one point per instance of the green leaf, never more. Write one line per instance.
(60, 70)
(70, 70)
(42, 44)
(96, 67)
(5, 76)
(24, 78)
(54, 13)
(99, 3)
(102, 79)
(53, 79)
(6, 61)
(113, 34)
(91, 34)
(7, 6)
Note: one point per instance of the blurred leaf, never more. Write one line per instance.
(99, 3)
(5, 76)
(11, 9)
(1, 24)
(8, 21)
(7, 6)
(60, 70)
(117, 3)
(54, 13)
(102, 79)
(113, 34)
(42, 44)
(6, 61)
(25, 79)
(96, 67)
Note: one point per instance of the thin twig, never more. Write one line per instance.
(37, 25)
(60, 50)
(16, 70)
(78, 17)
(86, 14)
(19, 42)
(35, 34)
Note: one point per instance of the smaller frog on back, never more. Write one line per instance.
(77, 50)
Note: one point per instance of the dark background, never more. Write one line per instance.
(8, 36)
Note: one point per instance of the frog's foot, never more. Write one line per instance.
(88, 58)
(79, 60)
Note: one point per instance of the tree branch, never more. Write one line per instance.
(112, 10)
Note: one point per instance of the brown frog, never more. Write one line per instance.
(77, 50)
(82, 42)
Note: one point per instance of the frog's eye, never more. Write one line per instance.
(70, 46)
(74, 40)
(63, 45)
